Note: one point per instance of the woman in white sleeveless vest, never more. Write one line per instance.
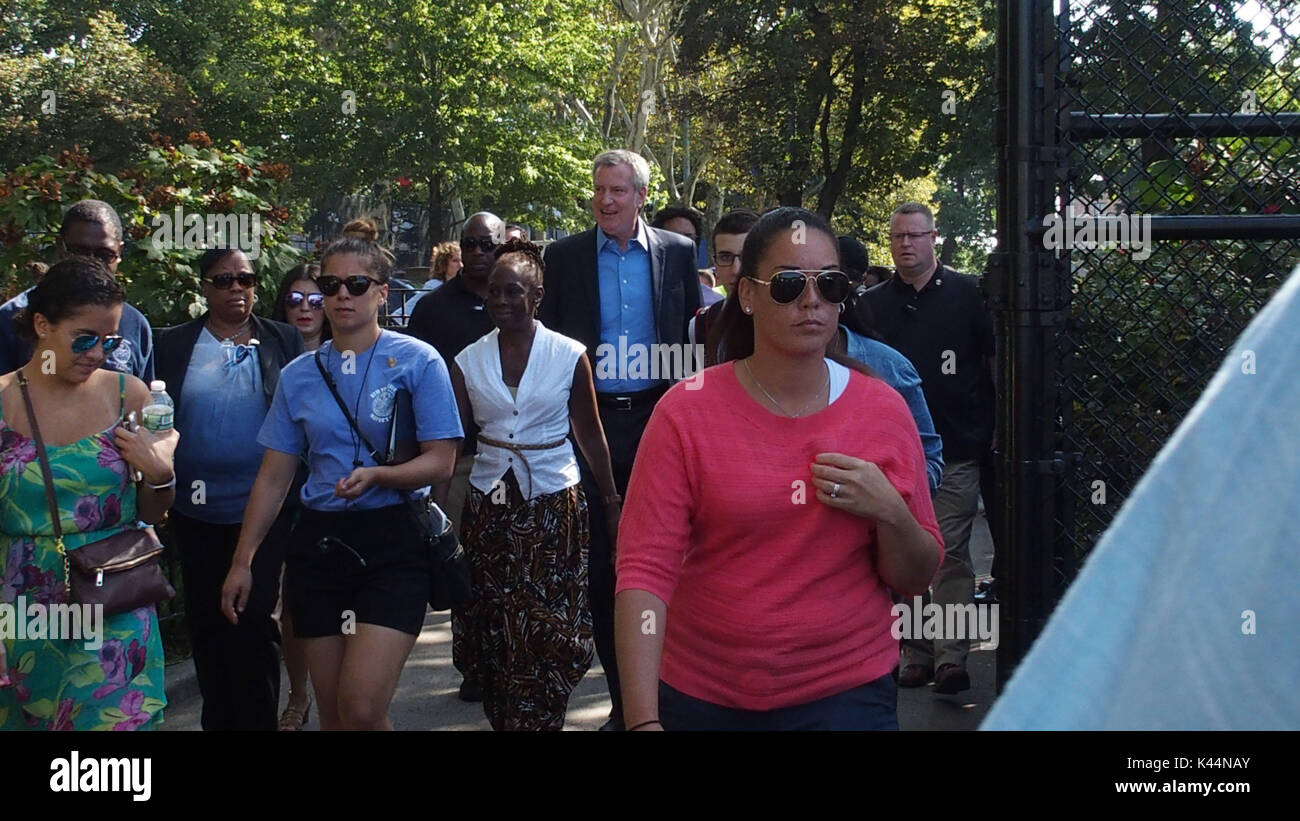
(525, 520)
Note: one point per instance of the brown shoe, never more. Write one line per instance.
(950, 679)
(915, 675)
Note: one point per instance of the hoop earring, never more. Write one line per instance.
(841, 307)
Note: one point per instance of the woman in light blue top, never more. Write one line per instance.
(357, 569)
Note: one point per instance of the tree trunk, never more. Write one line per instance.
(837, 178)
(437, 220)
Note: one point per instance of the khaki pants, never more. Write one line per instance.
(956, 503)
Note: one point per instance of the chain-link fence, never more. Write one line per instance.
(1151, 188)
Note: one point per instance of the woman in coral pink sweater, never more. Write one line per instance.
(755, 561)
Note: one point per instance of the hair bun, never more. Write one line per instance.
(363, 229)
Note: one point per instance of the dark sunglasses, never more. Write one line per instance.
(86, 342)
(357, 285)
(485, 244)
(786, 286)
(222, 282)
(104, 255)
(295, 298)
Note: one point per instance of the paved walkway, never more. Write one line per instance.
(426, 695)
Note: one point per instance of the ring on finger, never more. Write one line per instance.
(835, 489)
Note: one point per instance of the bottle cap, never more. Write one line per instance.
(158, 386)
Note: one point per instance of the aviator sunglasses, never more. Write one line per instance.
(85, 342)
(357, 285)
(787, 285)
(294, 299)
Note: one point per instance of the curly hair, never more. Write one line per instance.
(529, 251)
(67, 287)
(443, 252)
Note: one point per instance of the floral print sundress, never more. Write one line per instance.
(65, 683)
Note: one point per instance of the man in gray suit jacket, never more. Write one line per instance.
(619, 288)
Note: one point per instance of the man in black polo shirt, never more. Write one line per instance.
(449, 319)
(936, 317)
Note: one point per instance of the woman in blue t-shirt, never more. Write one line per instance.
(356, 569)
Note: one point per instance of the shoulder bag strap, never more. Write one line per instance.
(48, 476)
(334, 391)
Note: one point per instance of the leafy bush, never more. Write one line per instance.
(195, 176)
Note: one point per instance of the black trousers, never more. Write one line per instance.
(623, 429)
(238, 667)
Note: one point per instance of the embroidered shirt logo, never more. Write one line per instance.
(381, 403)
(120, 358)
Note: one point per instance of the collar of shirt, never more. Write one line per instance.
(603, 239)
(458, 287)
(935, 280)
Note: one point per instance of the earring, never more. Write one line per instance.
(748, 310)
(841, 307)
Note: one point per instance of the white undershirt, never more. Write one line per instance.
(839, 379)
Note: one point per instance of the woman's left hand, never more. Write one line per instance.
(356, 483)
(148, 452)
(863, 489)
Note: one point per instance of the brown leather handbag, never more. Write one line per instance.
(122, 572)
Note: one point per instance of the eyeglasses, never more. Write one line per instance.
(725, 259)
(87, 342)
(786, 286)
(222, 282)
(104, 255)
(293, 299)
(914, 236)
(485, 244)
(357, 284)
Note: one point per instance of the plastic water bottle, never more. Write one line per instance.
(159, 413)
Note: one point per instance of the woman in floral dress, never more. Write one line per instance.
(111, 676)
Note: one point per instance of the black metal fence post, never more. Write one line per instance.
(1176, 118)
(1023, 286)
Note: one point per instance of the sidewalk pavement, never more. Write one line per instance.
(426, 694)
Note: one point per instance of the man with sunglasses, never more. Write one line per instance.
(621, 283)
(936, 317)
(449, 319)
(90, 228)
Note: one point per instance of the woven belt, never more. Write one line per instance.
(518, 450)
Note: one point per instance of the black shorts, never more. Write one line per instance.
(356, 567)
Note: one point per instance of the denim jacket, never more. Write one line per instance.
(899, 374)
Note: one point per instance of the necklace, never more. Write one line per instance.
(772, 399)
(238, 331)
(356, 406)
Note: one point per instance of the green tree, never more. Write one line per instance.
(196, 177)
(470, 100)
(93, 88)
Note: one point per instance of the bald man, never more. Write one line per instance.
(449, 319)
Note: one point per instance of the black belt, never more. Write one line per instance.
(631, 401)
